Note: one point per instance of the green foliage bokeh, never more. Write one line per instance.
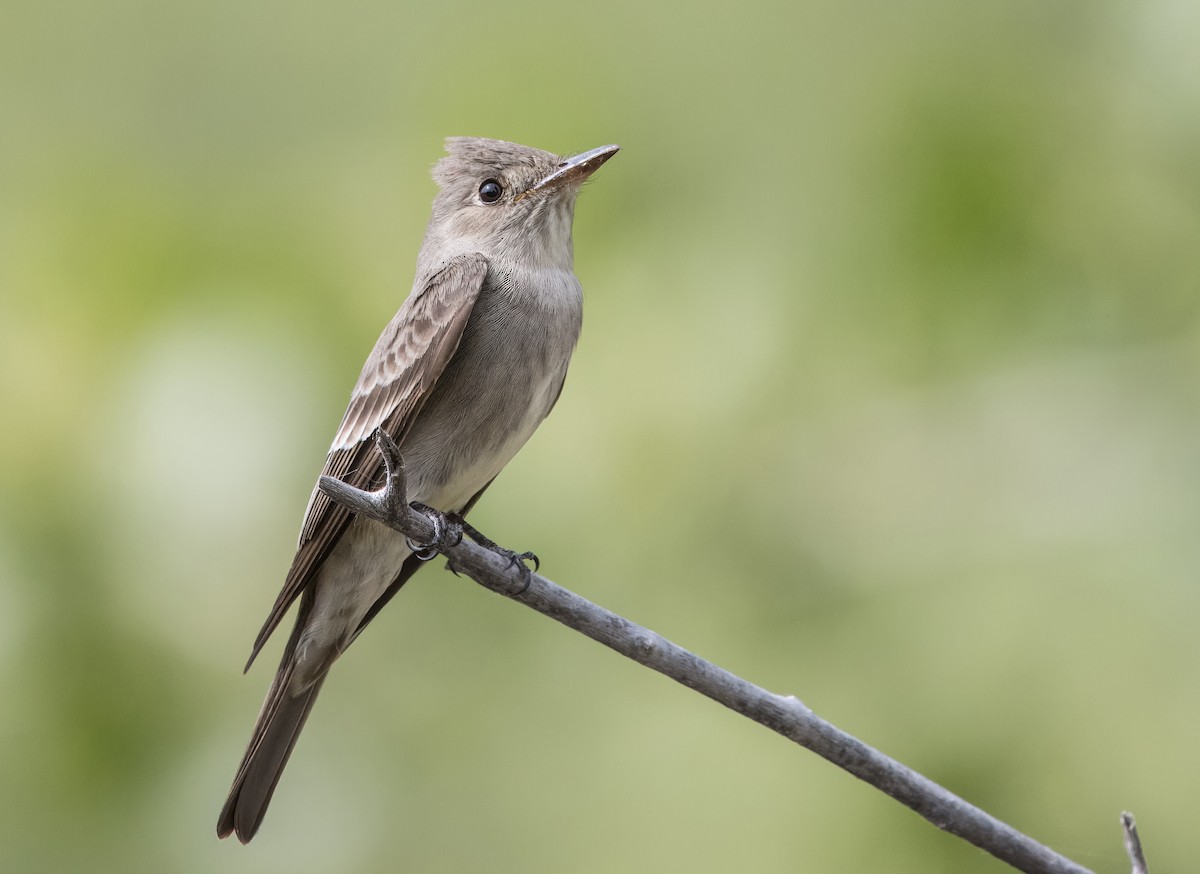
(888, 398)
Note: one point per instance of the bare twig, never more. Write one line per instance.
(1133, 844)
(785, 715)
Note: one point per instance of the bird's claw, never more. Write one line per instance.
(515, 559)
(530, 556)
(447, 532)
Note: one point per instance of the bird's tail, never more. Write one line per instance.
(279, 723)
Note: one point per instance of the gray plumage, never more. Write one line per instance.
(461, 377)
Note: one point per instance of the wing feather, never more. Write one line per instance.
(409, 357)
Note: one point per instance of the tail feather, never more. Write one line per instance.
(283, 715)
(279, 723)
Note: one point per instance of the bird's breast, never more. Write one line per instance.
(501, 382)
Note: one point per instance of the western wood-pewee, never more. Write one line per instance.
(460, 378)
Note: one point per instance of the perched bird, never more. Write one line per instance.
(460, 378)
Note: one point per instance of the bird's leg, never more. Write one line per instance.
(447, 532)
(514, 558)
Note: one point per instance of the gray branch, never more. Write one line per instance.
(783, 714)
(1133, 844)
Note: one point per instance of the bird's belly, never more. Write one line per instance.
(451, 453)
(460, 443)
(500, 438)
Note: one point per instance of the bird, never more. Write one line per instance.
(460, 378)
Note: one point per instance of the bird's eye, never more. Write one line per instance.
(490, 191)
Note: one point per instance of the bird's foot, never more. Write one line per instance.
(447, 532)
(515, 559)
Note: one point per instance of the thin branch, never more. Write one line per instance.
(1133, 844)
(783, 714)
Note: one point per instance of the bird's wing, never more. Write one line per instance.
(403, 367)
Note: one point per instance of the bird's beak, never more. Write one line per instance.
(573, 170)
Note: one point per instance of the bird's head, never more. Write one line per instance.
(507, 201)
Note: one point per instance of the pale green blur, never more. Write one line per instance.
(888, 397)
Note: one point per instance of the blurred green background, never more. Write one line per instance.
(888, 397)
